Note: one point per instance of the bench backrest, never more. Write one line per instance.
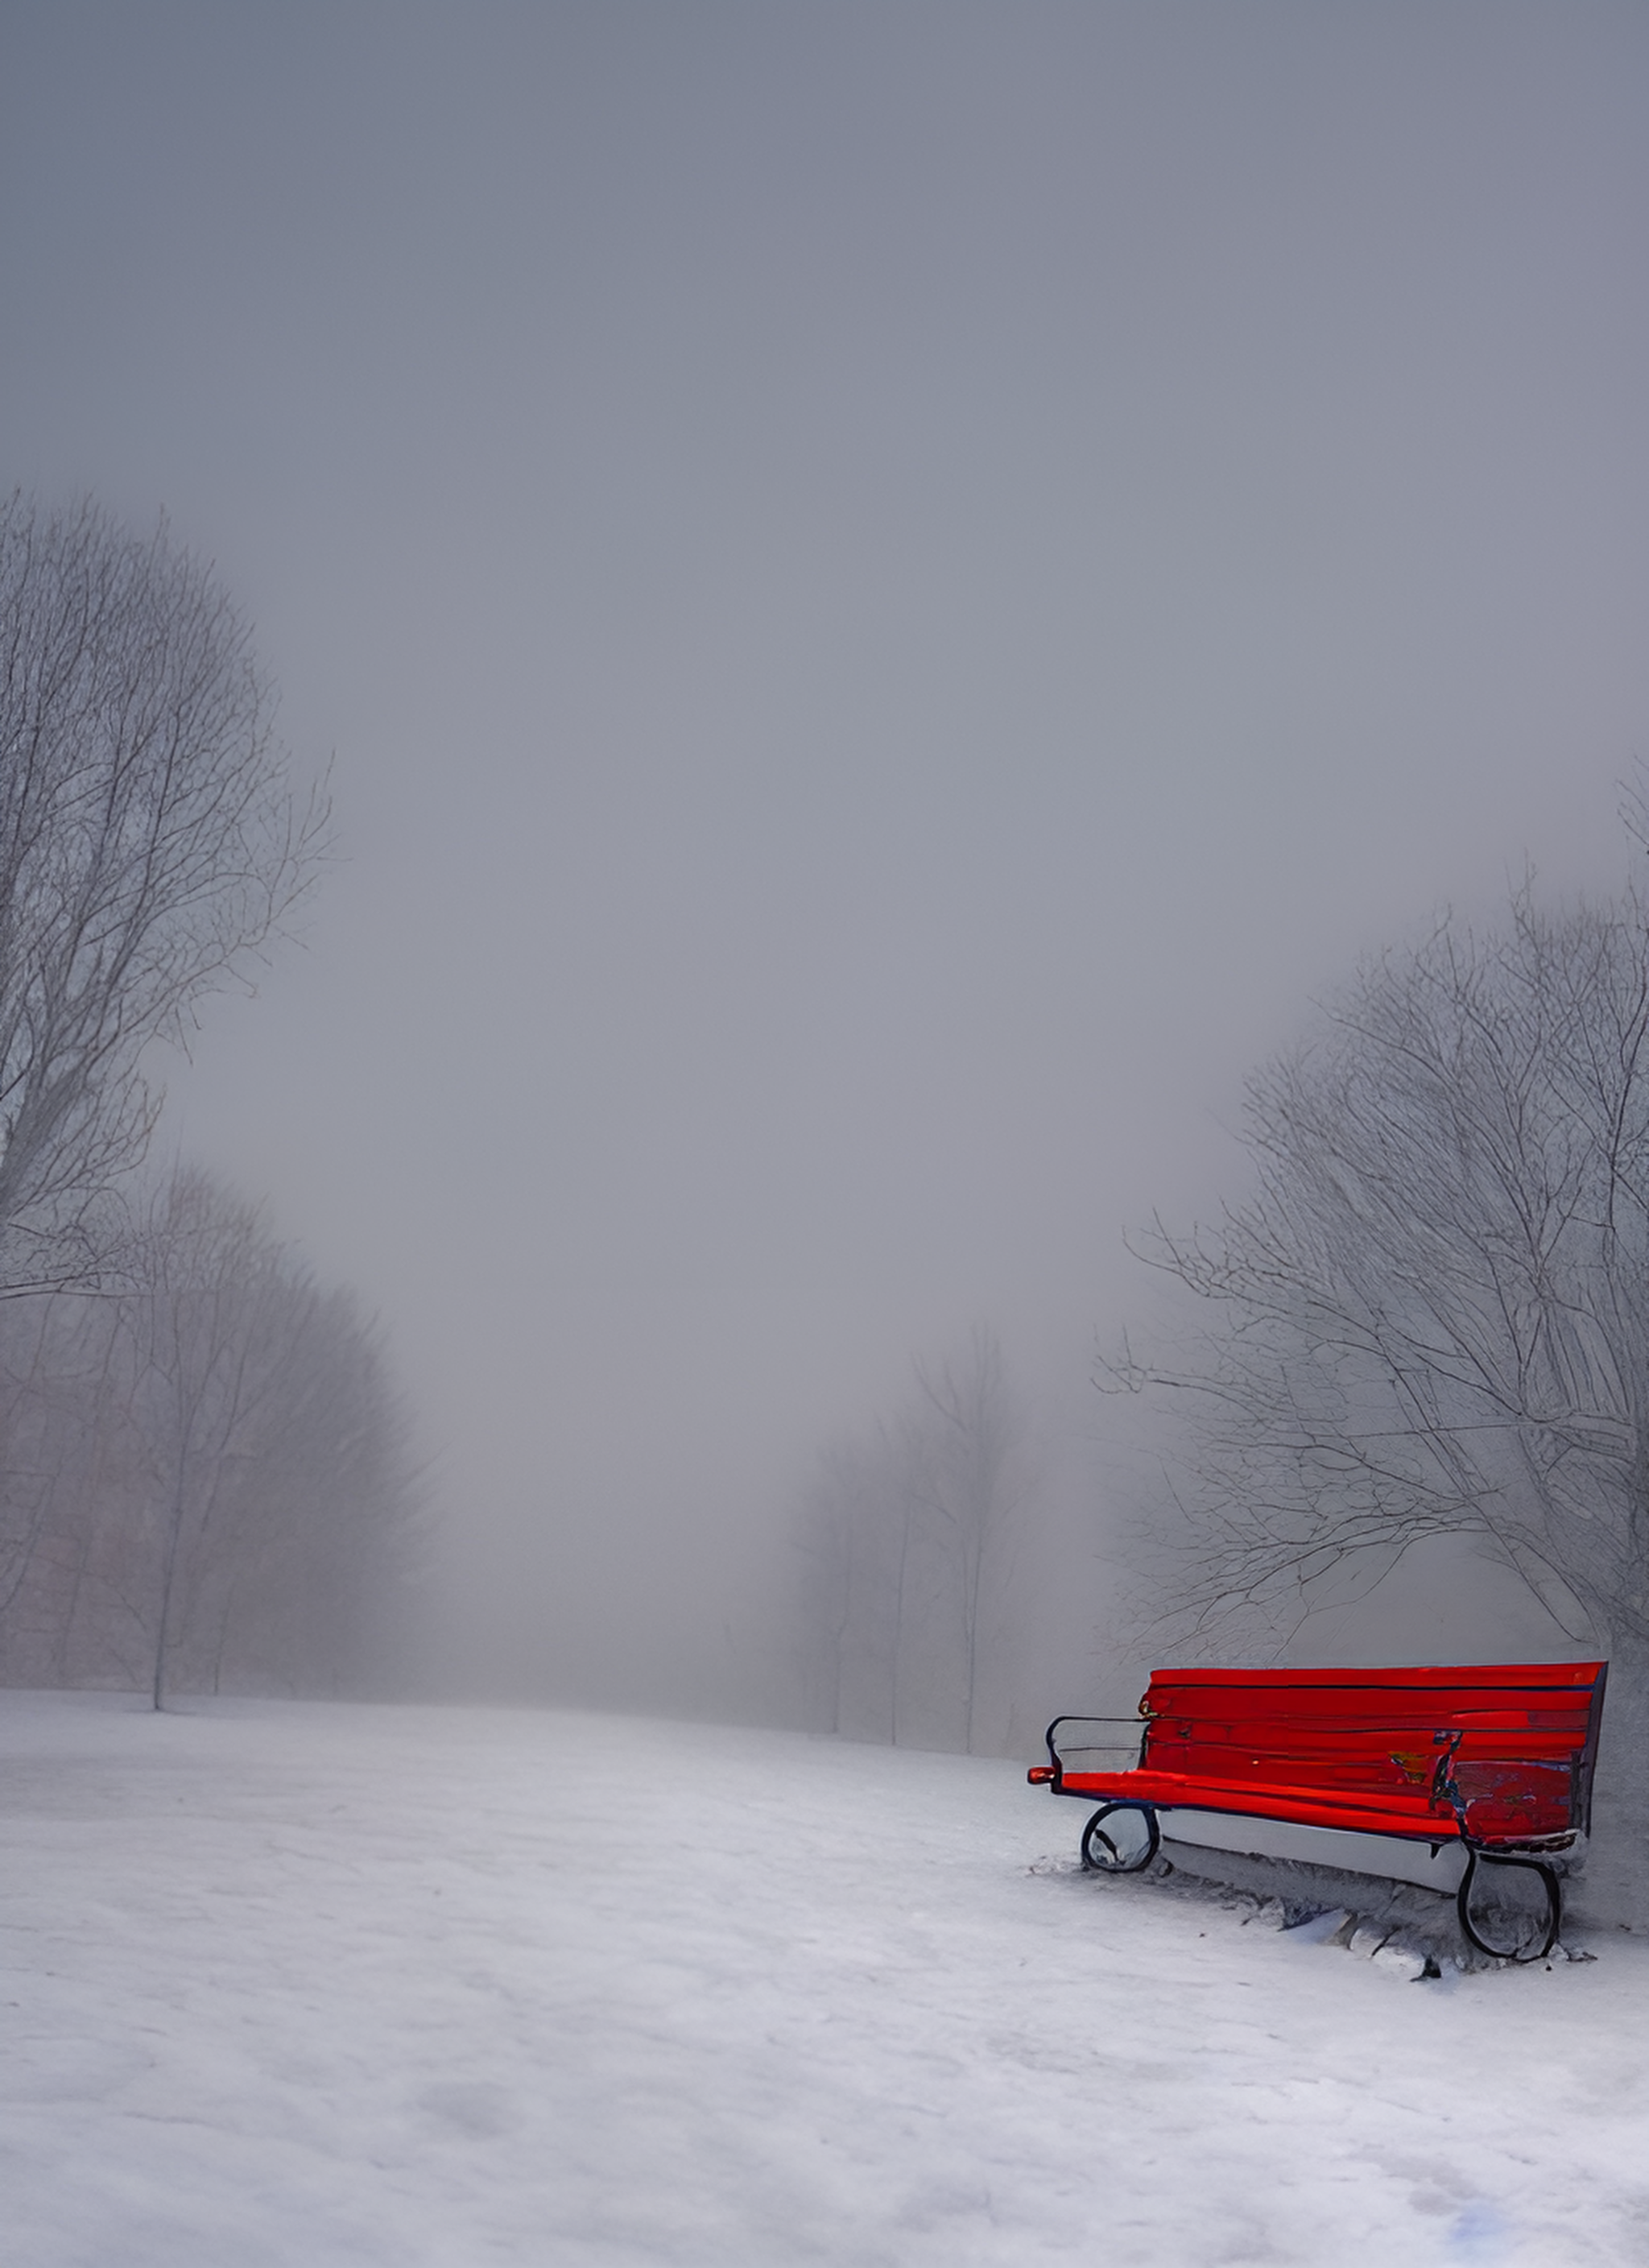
(1509, 1748)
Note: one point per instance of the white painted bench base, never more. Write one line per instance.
(1399, 1859)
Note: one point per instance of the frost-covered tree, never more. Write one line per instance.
(1431, 1317)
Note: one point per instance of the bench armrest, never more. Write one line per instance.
(1114, 1743)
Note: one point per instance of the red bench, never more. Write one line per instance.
(1496, 1761)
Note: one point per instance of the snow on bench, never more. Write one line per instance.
(1492, 1766)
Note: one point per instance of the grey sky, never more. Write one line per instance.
(895, 587)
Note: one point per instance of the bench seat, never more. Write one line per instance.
(1418, 1815)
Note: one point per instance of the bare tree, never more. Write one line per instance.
(907, 1535)
(210, 1353)
(840, 1539)
(320, 1530)
(973, 1430)
(860, 1551)
(210, 1482)
(75, 1606)
(1431, 1318)
(150, 848)
(283, 1493)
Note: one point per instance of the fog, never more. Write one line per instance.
(893, 593)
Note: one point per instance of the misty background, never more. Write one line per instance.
(895, 591)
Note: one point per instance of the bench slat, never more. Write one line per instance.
(1307, 1807)
(1475, 1677)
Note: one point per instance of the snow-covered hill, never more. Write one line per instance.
(292, 1986)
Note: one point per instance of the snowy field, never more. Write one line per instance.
(289, 1987)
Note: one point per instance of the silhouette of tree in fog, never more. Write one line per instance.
(857, 1516)
(208, 1479)
(274, 1450)
(205, 1471)
(907, 1533)
(150, 846)
(967, 1431)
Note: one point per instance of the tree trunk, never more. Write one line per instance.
(168, 1584)
(1614, 1889)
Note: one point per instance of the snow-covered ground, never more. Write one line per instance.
(289, 1987)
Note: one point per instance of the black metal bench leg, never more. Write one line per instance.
(1523, 1949)
(1110, 1846)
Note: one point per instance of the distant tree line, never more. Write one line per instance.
(204, 1474)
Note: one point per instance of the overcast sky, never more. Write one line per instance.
(895, 588)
